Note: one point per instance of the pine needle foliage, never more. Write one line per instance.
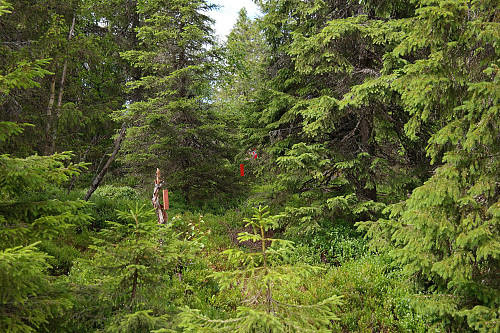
(25, 220)
(402, 97)
(330, 159)
(261, 277)
(136, 268)
(28, 295)
(446, 72)
(132, 256)
(139, 322)
(173, 125)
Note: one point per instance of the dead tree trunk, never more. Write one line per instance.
(100, 176)
(160, 212)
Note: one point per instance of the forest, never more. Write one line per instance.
(331, 166)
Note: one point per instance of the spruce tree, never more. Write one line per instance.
(444, 68)
(262, 277)
(174, 126)
(245, 53)
(329, 160)
(28, 296)
(136, 261)
(418, 73)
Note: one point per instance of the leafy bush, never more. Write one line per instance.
(62, 256)
(109, 199)
(117, 192)
(332, 244)
(377, 298)
(190, 228)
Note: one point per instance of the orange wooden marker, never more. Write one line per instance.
(165, 200)
(242, 170)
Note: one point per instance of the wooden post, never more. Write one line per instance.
(160, 213)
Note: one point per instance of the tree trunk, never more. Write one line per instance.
(50, 117)
(160, 212)
(51, 128)
(135, 282)
(100, 176)
(52, 97)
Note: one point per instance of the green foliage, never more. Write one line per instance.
(117, 192)
(446, 234)
(22, 77)
(25, 219)
(62, 256)
(330, 154)
(137, 267)
(377, 297)
(75, 79)
(335, 244)
(28, 298)
(194, 231)
(378, 113)
(172, 126)
(140, 322)
(5, 7)
(131, 255)
(244, 54)
(8, 129)
(107, 200)
(260, 277)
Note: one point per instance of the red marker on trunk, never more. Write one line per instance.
(165, 200)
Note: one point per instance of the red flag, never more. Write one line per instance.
(242, 170)
(254, 153)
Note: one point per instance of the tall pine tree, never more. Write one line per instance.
(174, 127)
(331, 160)
(445, 72)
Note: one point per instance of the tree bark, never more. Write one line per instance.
(52, 97)
(135, 282)
(50, 116)
(51, 129)
(160, 212)
(100, 176)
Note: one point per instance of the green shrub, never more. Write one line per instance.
(117, 192)
(109, 199)
(332, 244)
(263, 282)
(62, 256)
(376, 296)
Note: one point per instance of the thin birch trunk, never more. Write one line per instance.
(51, 128)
